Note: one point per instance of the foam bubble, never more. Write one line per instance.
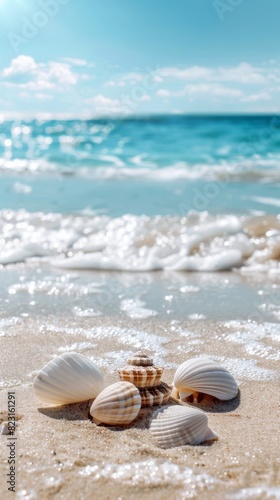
(257, 493)
(189, 289)
(86, 312)
(6, 323)
(77, 347)
(129, 336)
(196, 242)
(246, 369)
(135, 309)
(151, 473)
(253, 336)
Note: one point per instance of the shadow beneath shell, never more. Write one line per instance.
(74, 411)
(209, 404)
(143, 422)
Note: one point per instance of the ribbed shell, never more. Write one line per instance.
(69, 378)
(179, 425)
(151, 396)
(206, 376)
(118, 404)
(140, 359)
(141, 376)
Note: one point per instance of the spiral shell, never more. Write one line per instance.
(140, 359)
(118, 404)
(68, 378)
(180, 425)
(141, 371)
(151, 396)
(141, 376)
(206, 376)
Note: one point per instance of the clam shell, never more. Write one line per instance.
(206, 376)
(140, 359)
(141, 376)
(118, 404)
(69, 378)
(180, 425)
(151, 396)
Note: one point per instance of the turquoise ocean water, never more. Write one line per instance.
(142, 194)
(152, 166)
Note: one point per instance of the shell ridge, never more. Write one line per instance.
(179, 425)
(119, 404)
(204, 376)
(68, 378)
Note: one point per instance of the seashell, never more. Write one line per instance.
(141, 376)
(180, 425)
(4, 428)
(118, 404)
(141, 372)
(68, 378)
(151, 396)
(140, 359)
(204, 375)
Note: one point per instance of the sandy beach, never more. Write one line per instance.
(139, 211)
(61, 454)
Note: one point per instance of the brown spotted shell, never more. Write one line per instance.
(151, 396)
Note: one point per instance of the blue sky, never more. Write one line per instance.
(92, 58)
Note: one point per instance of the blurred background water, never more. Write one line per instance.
(162, 165)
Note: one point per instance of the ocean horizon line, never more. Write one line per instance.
(9, 117)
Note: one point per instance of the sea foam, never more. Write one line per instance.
(195, 242)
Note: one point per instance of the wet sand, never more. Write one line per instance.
(61, 454)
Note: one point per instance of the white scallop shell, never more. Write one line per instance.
(206, 376)
(118, 404)
(68, 378)
(180, 425)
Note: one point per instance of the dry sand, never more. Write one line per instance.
(61, 454)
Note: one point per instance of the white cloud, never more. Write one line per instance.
(171, 93)
(129, 78)
(144, 98)
(20, 66)
(25, 73)
(104, 105)
(261, 96)
(164, 93)
(110, 83)
(102, 100)
(43, 97)
(114, 83)
(133, 77)
(213, 89)
(242, 83)
(242, 73)
(191, 73)
(200, 89)
(76, 62)
(136, 78)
